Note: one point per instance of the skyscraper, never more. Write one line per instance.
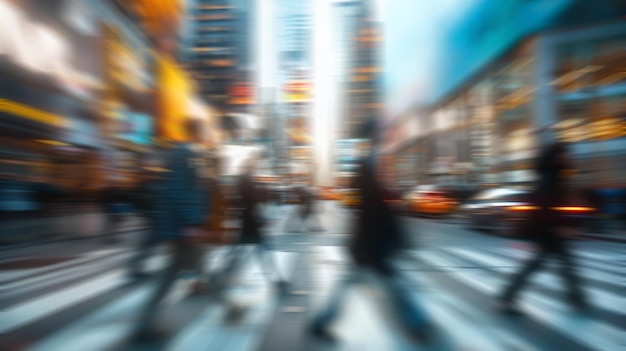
(217, 51)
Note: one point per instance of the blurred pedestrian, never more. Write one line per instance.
(543, 226)
(377, 239)
(147, 200)
(305, 212)
(117, 198)
(251, 239)
(214, 225)
(182, 211)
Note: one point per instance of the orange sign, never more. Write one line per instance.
(298, 91)
(241, 94)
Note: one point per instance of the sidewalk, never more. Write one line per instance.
(86, 224)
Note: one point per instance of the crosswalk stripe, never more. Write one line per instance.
(456, 333)
(592, 274)
(43, 306)
(595, 335)
(13, 275)
(600, 298)
(101, 329)
(594, 268)
(110, 324)
(507, 261)
(479, 317)
(29, 284)
(207, 330)
(610, 258)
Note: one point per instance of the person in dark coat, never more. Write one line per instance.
(179, 215)
(543, 227)
(376, 240)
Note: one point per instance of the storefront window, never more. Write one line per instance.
(514, 92)
(592, 119)
(593, 63)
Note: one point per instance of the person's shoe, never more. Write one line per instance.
(150, 335)
(198, 287)
(423, 335)
(507, 308)
(235, 313)
(136, 276)
(321, 333)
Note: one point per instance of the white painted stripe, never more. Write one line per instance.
(24, 273)
(589, 268)
(491, 260)
(46, 305)
(611, 258)
(207, 331)
(464, 334)
(331, 254)
(29, 284)
(111, 323)
(593, 334)
(605, 300)
(483, 259)
(490, 326)
(102, 329)
(361, 318)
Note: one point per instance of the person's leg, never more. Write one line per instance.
(532, 265)
(239, 257)
(144, 250)
(266, 261)
(401, 297)
(167, 278)
(570, 276)
(333, 307)
(269, 267)
(231, 260)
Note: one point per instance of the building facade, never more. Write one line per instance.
(559, 81)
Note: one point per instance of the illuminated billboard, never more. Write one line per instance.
(297, 91)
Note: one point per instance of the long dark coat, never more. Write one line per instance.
(549, 193)
(377, 234)
(250, 217)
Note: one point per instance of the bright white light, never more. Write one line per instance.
(33, 45)
(324, 110)
(265, 43)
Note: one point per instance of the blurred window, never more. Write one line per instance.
(583, 64)
(585, 118)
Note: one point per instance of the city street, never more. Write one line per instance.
(74, 295)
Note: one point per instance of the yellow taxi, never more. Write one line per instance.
(328, 193)
(430, 202)
(349, 197)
